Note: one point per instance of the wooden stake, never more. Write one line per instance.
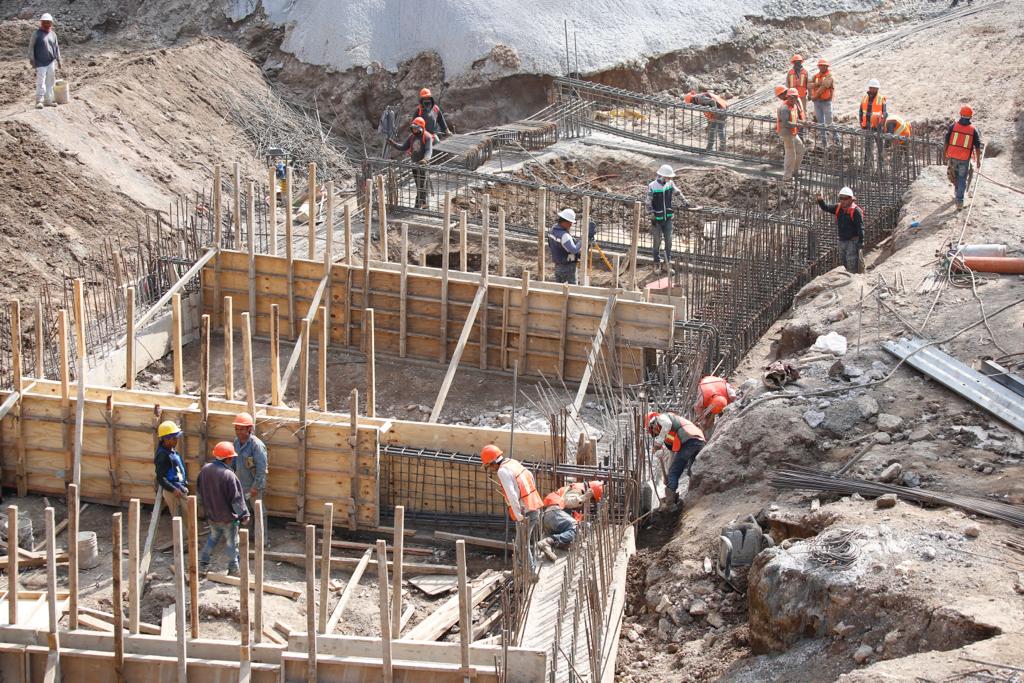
(322, 359)
(289, 251)
(312, 196)
(385, 615)
(250, 243)
(40, 341)
(179, 604)
(275, 357)
(501, 241)
(348, 233)
(616, 267)
(465, 608)
(311, 608)
(192, 525)
(115, 594)
(17, 373)
(353, 442)
(129, 360)
(403, 293)
(272, 209)
(396, 586)
(204, 377)
(12, 564)
(325, 566)
(65, 365)
(329, 258)
(371, 364)
(634, 244)
(244, 623)
(216, 214)
(303, 408)
(179, 377)
(542, 230)
(585, 247)
(485, 257)
(73, 523)
(76, 464)
(250, 380)
(382, 216)
(236, 209)
(18, 386)
(53, 659)
(258, 566)
(524, 309)
(463, 242)
(134, 519)
(229, 350)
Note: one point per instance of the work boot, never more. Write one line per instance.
(204, 569)
(39, 104)
(232, 571)
(50, 103)
(545, 547)
(671, 501)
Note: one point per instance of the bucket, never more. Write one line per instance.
(61, 91)
(88, 557)
(983, 250)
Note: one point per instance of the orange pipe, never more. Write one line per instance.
(995, 264)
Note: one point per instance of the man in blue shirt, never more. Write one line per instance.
(251, 464)
(170, 469)
(565, 250)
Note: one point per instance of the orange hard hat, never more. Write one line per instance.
(418, 121)
(797, 58)
(792, 92)
(425, 92)
(688, 98)
(243, 420)
(224, 450)
(823, 62)
(966, 111)
(598, 488)
(490, 454)
(718, 404)
(779, 89)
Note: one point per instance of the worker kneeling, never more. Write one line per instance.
(680, 438)
(563, 511)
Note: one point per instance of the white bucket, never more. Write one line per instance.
(983, 250)
(88, 557)
(61, 91)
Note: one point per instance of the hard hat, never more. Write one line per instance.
(224, 450)
(688, 97)
(567, 215)
(846, 192)
(418, 121)
(598, 488)
(649, 420)
(966, 111)
(666, 171)
(425, 92)
(792, 92)
(243, 420)
(873, 83)
(796, 58)
(490, 454)
(779, 89)
(718, 404)
(46, 17)
(823, 62)
(168, 428)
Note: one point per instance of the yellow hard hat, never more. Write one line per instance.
(168, 428)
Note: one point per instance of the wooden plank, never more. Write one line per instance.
(12, 568)
(325, 566)
(312, 200)
(147, 549)
(606, 319)
(453, 366)
(134, 518)
(585, 243)
(116, 559)
(524, 313)
(229, 350)
(272, 207)
(353, 582)
(108, 618)
(74, 516)
(167, 621)
(129, 349)
(216, 216)
(289, 250)
(447, 615)
(433, 584)
(465, 611)
(260, 587)
(268, 588)
(300, 500)
(370, 336)
(250, 380)
(53, 659)
(385, 616)
(244, 623)
(474, 540)
(310, 314)
(349, 563)
(311, 609)
(192, 526)
(179, 605)
(321, 365)
(485, 256)
(542, 229)
(396, 575)
(275, 356)
(403, 292)
(250, 241)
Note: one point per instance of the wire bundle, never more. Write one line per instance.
(835, 548)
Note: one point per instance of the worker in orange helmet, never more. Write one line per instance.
(221, 495)
(789, 120)
(251, 464)
(431, 113)
(822, 90)
(678, 438)
(713, 395)
(563, 511)
(963, 141)
(520, 491)
(797, 78)
(419, 147)
(716, 119)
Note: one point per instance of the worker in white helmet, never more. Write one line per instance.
(871, 116)
(850, 226)
(565, 250)
(43, 54)
(659, 203)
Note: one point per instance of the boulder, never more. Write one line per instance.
(863, 653)
(889, 423)
(886, 501)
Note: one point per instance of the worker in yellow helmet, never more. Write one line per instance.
(170, 468)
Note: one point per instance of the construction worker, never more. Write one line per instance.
(962, 141)
(562, 514)
(789, 119)
(170, 469)
(797, 78)
(565, 250)
(419, 146)
(251, 464)
(713, 395)
(679, 438)
(872, 115)
(659, 204)
(850, 225)
(520, 492)
(822, 90)
(716, 120)
(222, 498)
(432, 115)
(43, 54)
(901, 129)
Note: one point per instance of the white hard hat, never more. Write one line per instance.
(873, 83)
(846, 192)
(46, 17)
(567, 215)
(666, 171)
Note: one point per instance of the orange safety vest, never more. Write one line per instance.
(961, 142)
(796, 115)
(853, 209)
(528, 496)
(557, 497)
(877, 106)
(798, 82)
(722, 104)
(901, 128)
(692, 431)
(825, 94)
(712, 386)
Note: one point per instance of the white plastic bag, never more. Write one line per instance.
(833, 343)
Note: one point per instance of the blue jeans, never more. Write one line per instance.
(849, 253)
(682, 460)
(560, 526)
(659, 230)
(227, 531)
(716, 128)
(565, 272)
(823, 115)
(961, 169)
(532, 519)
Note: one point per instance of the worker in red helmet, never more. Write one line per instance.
(677, 438)
(251, 464)
(716, 119)
(419, 147)
(713, 395)
(520, 491)
(797, 78)
(221, 495)
(563, 511)
(789, 120)
(963, 141)
(431, 113)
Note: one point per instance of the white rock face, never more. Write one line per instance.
(358, 33)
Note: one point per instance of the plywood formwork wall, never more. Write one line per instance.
(561, 321)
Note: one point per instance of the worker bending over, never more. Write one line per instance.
(789, 120)
(963, 140)
(251, 465)
(713, 395)
(419, 147)
(563, 511)
(221, 495)
(520, 492)
(565, 250)
(872, 115)
(716, 119)
(679, 438)
(850, 225)
(432, 116)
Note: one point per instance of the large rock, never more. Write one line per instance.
(889, 423)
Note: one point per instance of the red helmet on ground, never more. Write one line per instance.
(490, 454)
(425, 92)
(598, 488)
(243, 420)
(224, 450)
(966, 111)
(796, 58)
(418, 121)
(779, 90)
(718, 404)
